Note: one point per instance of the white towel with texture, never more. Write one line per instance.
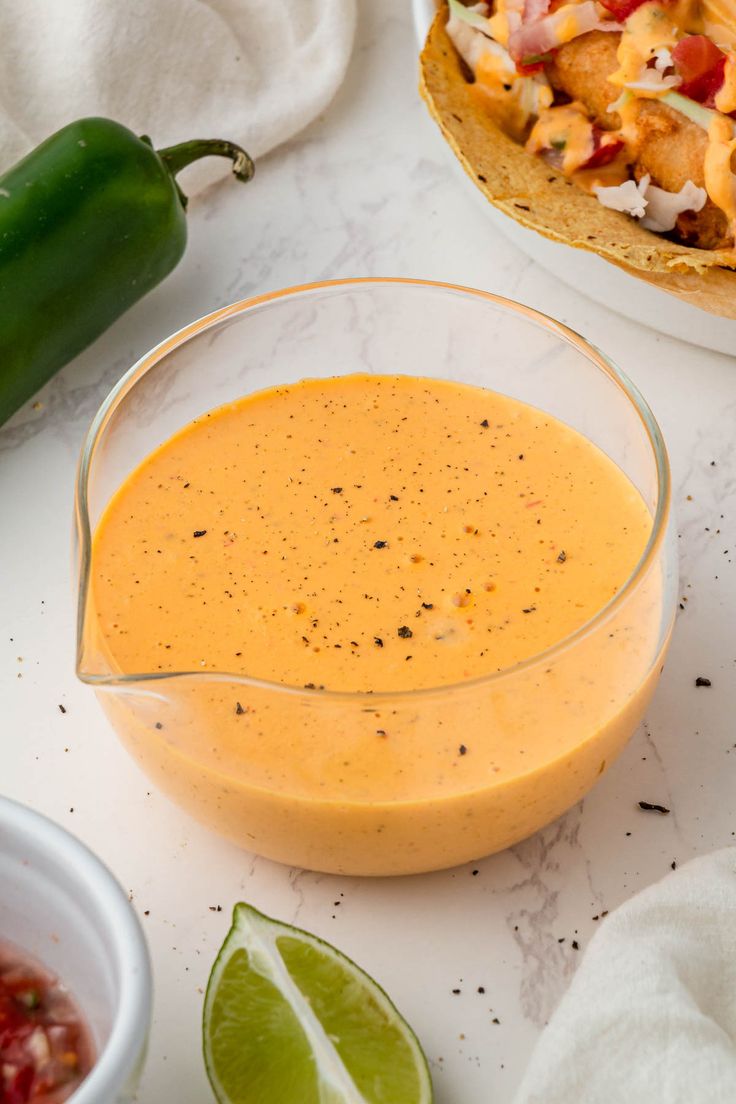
(651, 1013)
(252, 71)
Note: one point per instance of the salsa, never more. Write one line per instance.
(45, 1046)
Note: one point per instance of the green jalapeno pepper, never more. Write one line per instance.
(90, 221)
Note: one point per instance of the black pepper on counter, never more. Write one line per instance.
(648, 807)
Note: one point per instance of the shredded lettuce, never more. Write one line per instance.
(692, 110)
(467, 15)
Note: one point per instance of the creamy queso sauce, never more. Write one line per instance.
(363, 533)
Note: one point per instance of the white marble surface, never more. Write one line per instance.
(368, 190)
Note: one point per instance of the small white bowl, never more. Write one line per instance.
(59, 903)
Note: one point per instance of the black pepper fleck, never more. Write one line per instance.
(702, 681)
(648, 807)
(405, 632)
(199, 532)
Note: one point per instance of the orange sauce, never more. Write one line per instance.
(375, 535)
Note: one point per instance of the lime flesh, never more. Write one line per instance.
(289, 1019)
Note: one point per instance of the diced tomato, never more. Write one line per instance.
(621, 9)
(606, 148)
(700, 64)
(19, 1089)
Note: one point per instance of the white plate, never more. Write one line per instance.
(596, 278)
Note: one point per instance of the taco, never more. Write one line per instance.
(607, 125)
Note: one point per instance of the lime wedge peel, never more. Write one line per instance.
(289, 1019)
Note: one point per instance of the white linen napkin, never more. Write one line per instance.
(252, 71)
(651, 1013)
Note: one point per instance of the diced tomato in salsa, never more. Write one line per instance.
(700, 64)
(45, 1048)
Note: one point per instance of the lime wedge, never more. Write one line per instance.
(288, 1019)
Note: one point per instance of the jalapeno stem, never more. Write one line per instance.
(178, 157)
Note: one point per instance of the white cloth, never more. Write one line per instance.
(252, 71)
(651, 1013)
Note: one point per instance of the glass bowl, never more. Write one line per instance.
(542, 731)
(60, 904)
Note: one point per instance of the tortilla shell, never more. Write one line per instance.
(539, 198)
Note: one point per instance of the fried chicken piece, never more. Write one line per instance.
(579, 70)
(668, 146)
